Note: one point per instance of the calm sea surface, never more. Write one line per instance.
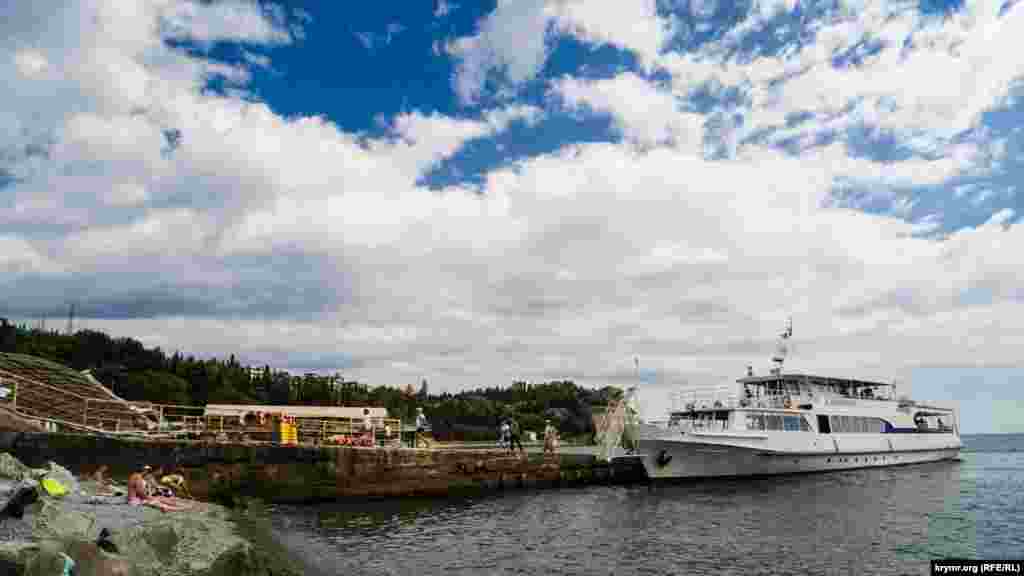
(880, 521)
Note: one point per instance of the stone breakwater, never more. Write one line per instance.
(201, 542)
(301, 474)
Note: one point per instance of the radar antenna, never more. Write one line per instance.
(783, 348)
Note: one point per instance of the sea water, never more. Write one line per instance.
(874, 521)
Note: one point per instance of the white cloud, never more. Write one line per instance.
(30, 63)
(643, 113)
(634, 25)
(19, 257)
(444, 8)
(513, 41)
(230, 20)
(258, 60)
(126, 194)
(890, 93)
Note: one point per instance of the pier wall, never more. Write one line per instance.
(294, 474)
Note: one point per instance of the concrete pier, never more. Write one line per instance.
(297, 474)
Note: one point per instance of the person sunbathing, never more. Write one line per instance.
(177, 484)
(100, 475)
(138, 495)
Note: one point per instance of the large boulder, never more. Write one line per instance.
(12, 469)
(202, 541)
(89, 560)
(178, 542)
(15, 556)
(56, 521)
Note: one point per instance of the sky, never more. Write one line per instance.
(481, 192)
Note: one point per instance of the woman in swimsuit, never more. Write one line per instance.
(138, 496)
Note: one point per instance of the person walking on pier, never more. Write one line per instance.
(514, 434)
(550, 438)
(422, 428)
(504, 435)
(368, 431)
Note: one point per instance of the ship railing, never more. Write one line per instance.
(786, 401)
(690, 426)
(706, 398)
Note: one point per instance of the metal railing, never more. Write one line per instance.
(700, 425)
(381, 432)
(45, 403)
(705, 397)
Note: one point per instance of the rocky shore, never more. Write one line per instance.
(204, 541)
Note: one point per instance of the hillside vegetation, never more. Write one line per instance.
(135, 372)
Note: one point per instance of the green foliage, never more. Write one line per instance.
(476, 414)
(159, 387)
(135, 372)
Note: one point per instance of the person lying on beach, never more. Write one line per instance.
(177, 484)
(139, 496)
(100, 475)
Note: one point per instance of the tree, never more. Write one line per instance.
(8, 336)
(424, 391)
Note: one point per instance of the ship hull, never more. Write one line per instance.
(669, 458)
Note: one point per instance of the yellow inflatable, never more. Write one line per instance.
(53, 487)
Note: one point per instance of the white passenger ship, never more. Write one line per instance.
(788, 422)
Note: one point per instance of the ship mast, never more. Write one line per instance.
(783, 349)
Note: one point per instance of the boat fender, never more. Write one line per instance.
(664, 458)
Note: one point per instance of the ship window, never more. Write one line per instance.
(774, 422)
(823, 424)
(755, 421)
(791, 423)
(837, 424)
(804, 425)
